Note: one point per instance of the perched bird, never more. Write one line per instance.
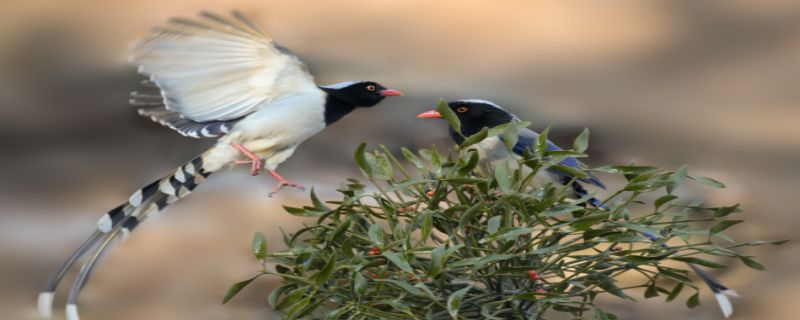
(217, 76)
(475, 115)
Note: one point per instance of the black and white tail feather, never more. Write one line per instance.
(118, 224)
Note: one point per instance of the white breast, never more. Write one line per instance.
(274, 131)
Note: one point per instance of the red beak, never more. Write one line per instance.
(430, 114)
(390, 93)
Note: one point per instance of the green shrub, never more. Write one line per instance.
(437, 236)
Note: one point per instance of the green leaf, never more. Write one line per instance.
(582, 141)
(359, 283)
(469, 215)
(627, 169)
(340, 230)
(449, 115)
(300, 212)
(292, 298)
(664, 199)
(475, 138)
(361, 159)
(693, 301)
(454, 301)
(272, 299)
(469, 165)
(635, 226)
(722, 225)
(675, 292)
(317, 203)
(646, 185)
(375, 234)
(758, 242)
(724, 211)
(399, 260)
(708, 181)
(677, 178)
(427, 227)
(577, 173)
(511, 135)
(323, 275)
(699, 261)
(412, 158)
(259, 246)
(652, 291)
(600, 314)
(509, 234)
(402, 285)
(502, 173)
(235, 288)
(494, 224)
(338, 313)
(752, 263)
(583, 223)
(541, 141)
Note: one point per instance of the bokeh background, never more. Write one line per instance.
(711, 84)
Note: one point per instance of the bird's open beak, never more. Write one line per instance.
(430, 114)
(390, 93)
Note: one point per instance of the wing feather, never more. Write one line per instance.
(216, 68)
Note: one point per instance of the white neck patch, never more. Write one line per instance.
(341, 85)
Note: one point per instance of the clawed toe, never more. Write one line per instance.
(283, 184)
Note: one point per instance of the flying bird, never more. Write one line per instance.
(475, 114)
(217, 76)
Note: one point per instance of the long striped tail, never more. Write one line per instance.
(118, 223)
(721, 293)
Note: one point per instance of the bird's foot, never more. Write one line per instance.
(256, 165)
(282, 183)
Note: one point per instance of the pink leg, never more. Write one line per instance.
(282, 182)
(256, 164)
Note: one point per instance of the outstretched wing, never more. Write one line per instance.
(218, 68)
(528, 137)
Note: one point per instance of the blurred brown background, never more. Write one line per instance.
(712, 84)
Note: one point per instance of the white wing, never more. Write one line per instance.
(217, 67)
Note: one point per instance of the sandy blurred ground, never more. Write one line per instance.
(711, 84)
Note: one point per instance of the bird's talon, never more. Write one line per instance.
(286, 183)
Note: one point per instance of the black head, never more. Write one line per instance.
(346, 96)
(360, 93)
(474, 115)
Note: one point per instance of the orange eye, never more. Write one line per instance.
(371, 88)
(462, 109)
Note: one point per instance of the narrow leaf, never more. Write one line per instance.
(259, 246)
(323, 275)
(582, 141)
(454, 301)
(399, 261)
(752, 263)
(235, 288)
(449, 115)
(709, 182)
(722, 225)
(475, 138)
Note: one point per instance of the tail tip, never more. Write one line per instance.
(45, 305)
(72, 312)
(725, 303)
(105, 224)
